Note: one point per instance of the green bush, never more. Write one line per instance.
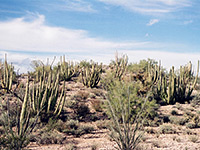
(125, 127)
(117, 91)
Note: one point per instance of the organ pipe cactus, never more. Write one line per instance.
(177, 87)
(45, 95)
(119, 66)
(7, 72)
(68, 69)
(19, 137)
(91, 74)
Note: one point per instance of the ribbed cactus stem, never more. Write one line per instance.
(60, 101)
(24, 108)
(10, 78)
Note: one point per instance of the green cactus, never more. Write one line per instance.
(7, 72)
(68, 69)
(176, 87)
(119, 66)
(91, 75)
(45, 95)
(18, 137)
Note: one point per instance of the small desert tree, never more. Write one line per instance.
(126, 128)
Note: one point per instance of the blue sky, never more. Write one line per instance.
(166, 30)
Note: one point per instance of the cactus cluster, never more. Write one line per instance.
(148, 77)
(45, 95)
(6, 75)
(18, 138)
(119, 66)
(177, 87)
(68, 69)
(91, 74)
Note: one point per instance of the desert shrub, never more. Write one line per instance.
(70, 147)
(97, 104)
(72, 124)
(102, 124)
(74, 128)
(155, 122)
(81, 95)
(166, 129)
(194, 138)
(82, 110)
(51, 137)
(118, 90)
(86, 129)
(178, 120)
(191, 125)
(125, 127)
(195, 102)
(150, 131)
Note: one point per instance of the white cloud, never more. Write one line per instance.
(32, 36)
(77, 5)
(152, 22)
(188, 22)
(153, 7)
(25, 34)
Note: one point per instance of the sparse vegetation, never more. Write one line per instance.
(123, 101)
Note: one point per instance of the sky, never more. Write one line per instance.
(166, 30)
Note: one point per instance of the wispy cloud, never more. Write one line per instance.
(152, 22)
(188, 22)
(152, 7)
(73, 5)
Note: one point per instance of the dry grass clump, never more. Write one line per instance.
(194, 138)
(167, 129)
(51, 137)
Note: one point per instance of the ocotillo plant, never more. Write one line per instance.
(46, 97)
(119, 66)
(68, 69)
(91, 74)
(6, 75)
